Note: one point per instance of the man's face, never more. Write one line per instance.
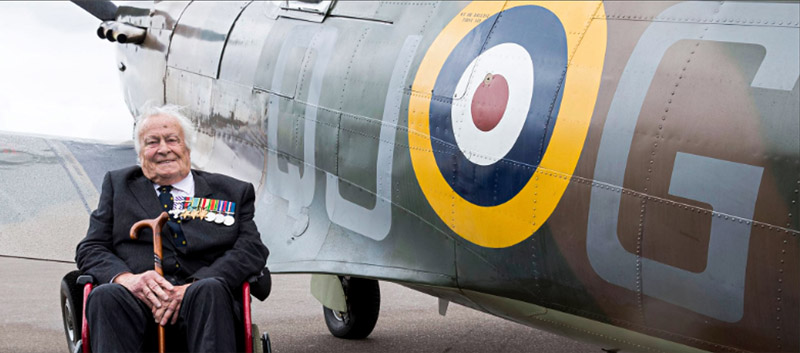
(164, 155)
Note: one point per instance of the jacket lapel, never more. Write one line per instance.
(201, 188)
(144, 193)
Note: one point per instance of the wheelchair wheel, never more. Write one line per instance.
(363, 298)
(71, 308)
(257, 348)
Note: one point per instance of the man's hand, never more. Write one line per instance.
(150, 287)
(172, 306)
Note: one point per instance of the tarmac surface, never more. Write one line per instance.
(30, 319)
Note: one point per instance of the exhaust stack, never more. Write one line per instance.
(124, 33)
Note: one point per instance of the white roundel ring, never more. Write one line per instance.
(508, 98)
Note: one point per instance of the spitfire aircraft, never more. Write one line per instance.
(625, 173)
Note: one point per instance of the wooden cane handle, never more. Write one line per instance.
(155, 224)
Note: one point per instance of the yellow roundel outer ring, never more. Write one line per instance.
(509, 223)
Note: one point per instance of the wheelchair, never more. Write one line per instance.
(75, 288)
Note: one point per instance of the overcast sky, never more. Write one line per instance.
(56, 76)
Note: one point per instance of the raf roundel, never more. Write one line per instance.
(488, 146)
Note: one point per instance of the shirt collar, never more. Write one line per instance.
(185, 186)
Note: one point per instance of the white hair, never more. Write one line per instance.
(148, 110)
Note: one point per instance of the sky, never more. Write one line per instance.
(57, 77)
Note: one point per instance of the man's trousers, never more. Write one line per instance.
(120, 322)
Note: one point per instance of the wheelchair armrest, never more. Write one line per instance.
(84, 279)
(261, 284)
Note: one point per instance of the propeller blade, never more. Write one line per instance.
(103, 10)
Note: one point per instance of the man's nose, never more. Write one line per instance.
(162, 147)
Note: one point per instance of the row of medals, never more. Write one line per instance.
(208, 216)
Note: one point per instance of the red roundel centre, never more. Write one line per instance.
(489, 102)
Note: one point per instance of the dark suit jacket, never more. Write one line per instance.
(232, 253)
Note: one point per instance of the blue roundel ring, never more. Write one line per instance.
(540, 32)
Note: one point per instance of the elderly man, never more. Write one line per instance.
(211, 246)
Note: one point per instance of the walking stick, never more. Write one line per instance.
(155, 225)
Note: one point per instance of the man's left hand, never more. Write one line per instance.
(172, 308)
